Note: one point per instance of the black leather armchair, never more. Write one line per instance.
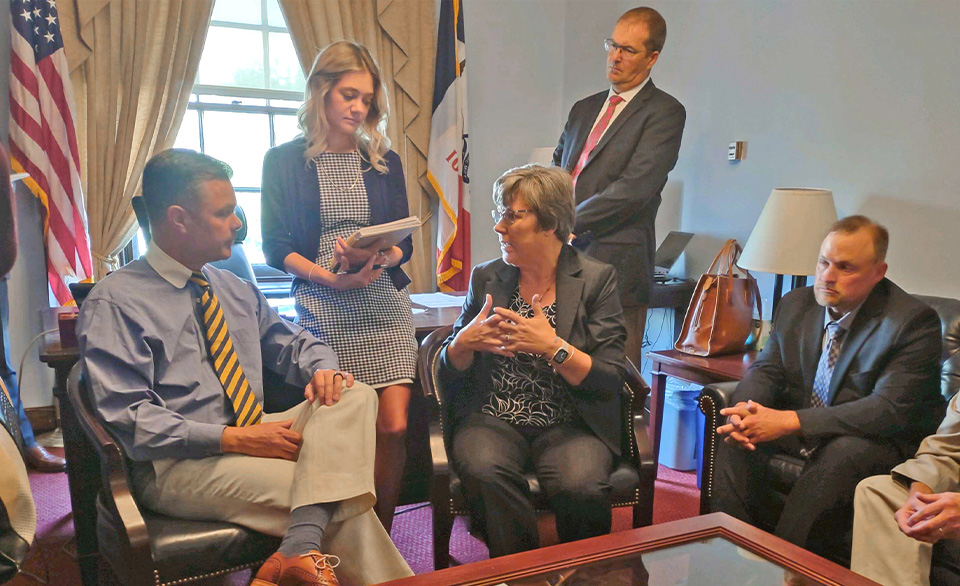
(632, 479)
(786, 469)
(144, 548)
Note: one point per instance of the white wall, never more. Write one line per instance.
(857, 97)
(27, 283)
(515, 76)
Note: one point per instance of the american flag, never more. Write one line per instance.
(43, 139)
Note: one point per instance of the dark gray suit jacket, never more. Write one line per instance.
(618, 190)
(589, 317)
(885, 385)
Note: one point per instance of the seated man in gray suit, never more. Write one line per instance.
(901, 517)
(849, 382)
(175, 351)
(619, 145)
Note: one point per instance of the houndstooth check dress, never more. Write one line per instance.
(370, 328)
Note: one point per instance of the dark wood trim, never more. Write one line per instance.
(696, 369)
(526, 564)
(42, 419)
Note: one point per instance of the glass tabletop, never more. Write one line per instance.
(706, 562)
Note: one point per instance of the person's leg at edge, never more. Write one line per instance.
(636, 321)
(391, 449)
(881, 551)
(37, 457)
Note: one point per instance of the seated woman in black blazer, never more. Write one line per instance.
(532, 372)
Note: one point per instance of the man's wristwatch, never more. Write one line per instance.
(562, 353)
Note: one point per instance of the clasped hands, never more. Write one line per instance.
(749, 423)
(505, 332)
(929, 517)
(276, 439)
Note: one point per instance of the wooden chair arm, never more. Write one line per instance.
(438, 451)
(638, 419)
(713, 398)
(119, 499)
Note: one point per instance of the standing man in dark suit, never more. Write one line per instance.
(619, 145)
(848, 382)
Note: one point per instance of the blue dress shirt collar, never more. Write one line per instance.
(171, 270)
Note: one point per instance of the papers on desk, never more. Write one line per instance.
(436, 300)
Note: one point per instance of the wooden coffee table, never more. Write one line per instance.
(710, 550)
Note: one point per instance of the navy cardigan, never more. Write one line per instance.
(290, 200)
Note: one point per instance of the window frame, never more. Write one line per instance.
(275, 283)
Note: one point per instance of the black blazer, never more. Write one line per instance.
(885, 385)
(290, 202)
(618, 190)
(589, 317)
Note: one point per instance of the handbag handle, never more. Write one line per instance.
(728, 255)
(726, 262)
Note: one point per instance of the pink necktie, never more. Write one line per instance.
(594, 137)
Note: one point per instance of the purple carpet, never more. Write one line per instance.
(52, 559)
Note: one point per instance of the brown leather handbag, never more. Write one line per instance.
(720, 318)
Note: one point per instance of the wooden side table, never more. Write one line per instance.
(694, 369)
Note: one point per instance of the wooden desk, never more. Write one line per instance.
(694, 369)
(713, 549)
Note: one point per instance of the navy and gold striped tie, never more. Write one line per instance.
(225, 362)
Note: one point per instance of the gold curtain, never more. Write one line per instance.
(132, 66)
(401, 35)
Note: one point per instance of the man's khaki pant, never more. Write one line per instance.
(881, 551)
(335, 465)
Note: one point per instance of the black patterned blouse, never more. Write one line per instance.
(526, 391)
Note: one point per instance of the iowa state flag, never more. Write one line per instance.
(449, 159)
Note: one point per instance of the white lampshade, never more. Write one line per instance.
(786, 239)
(542, 156)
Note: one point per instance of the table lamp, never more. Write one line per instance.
(786, 238)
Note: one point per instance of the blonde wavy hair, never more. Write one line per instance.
(330, 65)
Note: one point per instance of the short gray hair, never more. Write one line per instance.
(547, 190)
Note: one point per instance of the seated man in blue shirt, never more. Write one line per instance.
(174, 350)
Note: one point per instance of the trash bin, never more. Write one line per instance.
(679, 437)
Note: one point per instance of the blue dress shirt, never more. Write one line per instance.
(146, 358)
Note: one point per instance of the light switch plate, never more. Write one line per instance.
(736, 150)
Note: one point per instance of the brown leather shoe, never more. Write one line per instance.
(309, 569)
(43, 461)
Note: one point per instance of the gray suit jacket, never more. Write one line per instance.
(618, 190)
(885, 384)
(937, 463)
(588, 316)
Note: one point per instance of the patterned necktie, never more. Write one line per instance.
(828, 359)
(594, 137)
(225, 362)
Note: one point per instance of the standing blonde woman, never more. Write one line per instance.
(317, 190)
